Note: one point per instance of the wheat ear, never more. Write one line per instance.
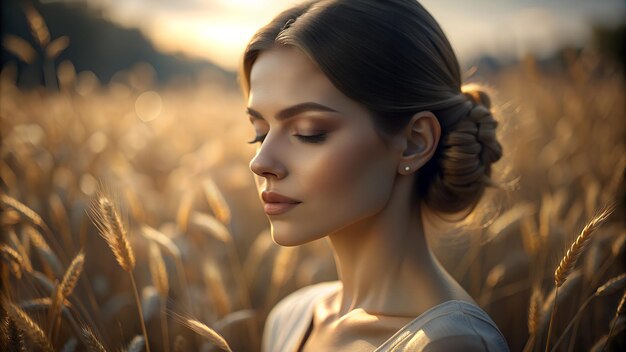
(65, 288)
(208, 333)
(569, 260)
(94, 345)
(534, 317)
(24, 322)
(12, 259)
(534, 311)
(13, 337)
(608, 288)
(72, 274)
(172, 249)
(33, 218)
(49, 257)
(109, 223)
(26, 212)
(19, 248)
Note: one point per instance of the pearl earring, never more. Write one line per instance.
(407, 168)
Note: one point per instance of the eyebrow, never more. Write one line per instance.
(293, 110)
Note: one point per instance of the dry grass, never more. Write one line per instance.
(190, 233)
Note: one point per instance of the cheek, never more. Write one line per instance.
(353, 171)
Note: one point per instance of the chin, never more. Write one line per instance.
(286, 236)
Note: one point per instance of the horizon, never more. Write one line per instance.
(507, 30)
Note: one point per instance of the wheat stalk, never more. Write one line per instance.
(24, 322)
(33, 218)
(65, 288)
(618, 311)
(184, 209)
(219, 231)
(213, 226)
(609, 287)
(39, 303)
(12, 259)
(160, 238)
(26, 212)
(208, 333)
(158, 271)
(44, 251)
(93, 344)
(9, 217)
(161, 282)
(61, 220)
(108, 221)
(174, 251)
(215, 284)
(534, 310)
(534, 317)
(37, 26)
(216, 200)
(235, 317)
(528, 228)
(72, 274)
(569, 260)
(19, 247)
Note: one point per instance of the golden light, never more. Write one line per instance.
(148, 106)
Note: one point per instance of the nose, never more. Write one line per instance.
(265, 163)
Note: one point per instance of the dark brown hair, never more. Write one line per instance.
(392, 57)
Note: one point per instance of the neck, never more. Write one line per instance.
(385, 264)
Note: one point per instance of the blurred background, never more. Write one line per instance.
(140, 97)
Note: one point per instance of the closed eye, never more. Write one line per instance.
(318, 138)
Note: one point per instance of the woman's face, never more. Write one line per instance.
(326, 155)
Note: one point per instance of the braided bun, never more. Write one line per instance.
(467, 151)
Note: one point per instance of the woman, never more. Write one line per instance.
(363, 126)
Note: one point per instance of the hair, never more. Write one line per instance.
(393, 57)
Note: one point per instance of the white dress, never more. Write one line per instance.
(450, 326)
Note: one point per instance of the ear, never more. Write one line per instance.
(420, 139)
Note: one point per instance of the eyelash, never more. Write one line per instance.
(318, 138)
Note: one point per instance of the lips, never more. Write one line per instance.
(273, 197)
(276, 203)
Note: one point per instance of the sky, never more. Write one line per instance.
(218, 30)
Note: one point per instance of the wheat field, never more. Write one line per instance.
(130, 220)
